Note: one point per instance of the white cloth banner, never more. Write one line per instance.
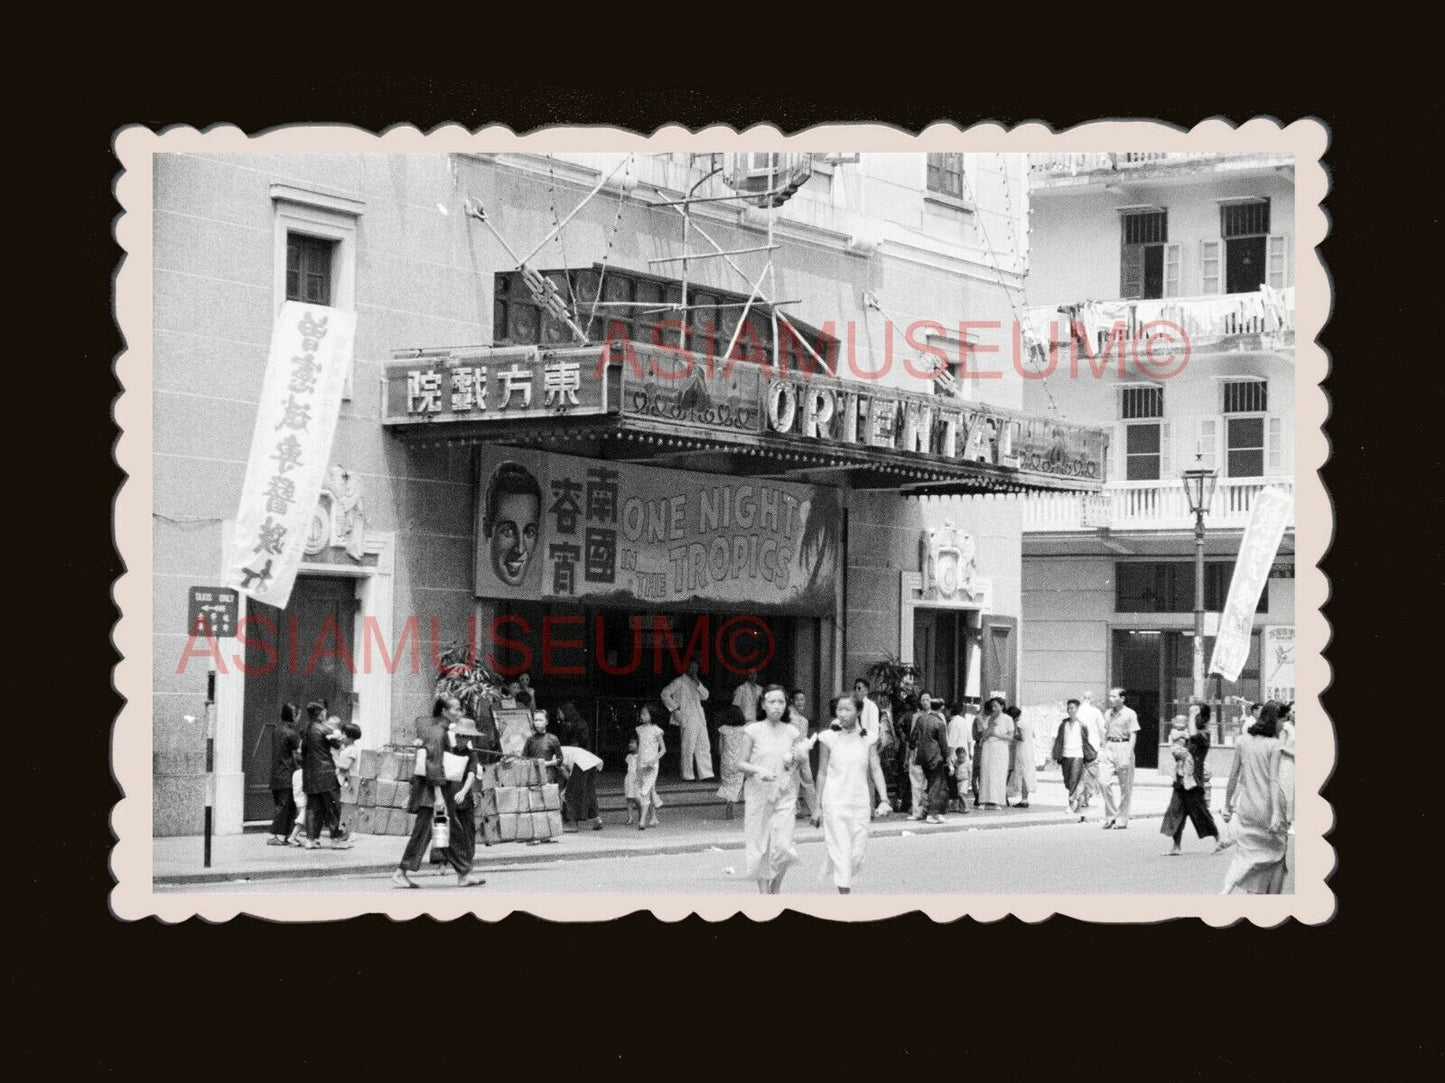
(295, 424)
(1267, 521)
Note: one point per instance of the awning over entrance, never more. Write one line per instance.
(659, 405)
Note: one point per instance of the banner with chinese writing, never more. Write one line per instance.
(1267, 521)
(554, 526)
(1277, 663)
(295, 423)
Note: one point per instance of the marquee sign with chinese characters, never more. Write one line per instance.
(559, 527)
(495, 385)
(295, 423)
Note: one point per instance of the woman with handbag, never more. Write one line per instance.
(461, 769)
(431, 799)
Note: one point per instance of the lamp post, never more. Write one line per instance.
(1199, 483)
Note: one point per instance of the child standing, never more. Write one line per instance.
(650, 750)
(629, 785)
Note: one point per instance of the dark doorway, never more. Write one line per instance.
(295, 655)
(1153, 270)
(1138, 670)
(940, 645)
(1244, 264)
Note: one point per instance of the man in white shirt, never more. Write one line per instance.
(746, 697)
(684, 698)
(867, 710)
(1121, 731)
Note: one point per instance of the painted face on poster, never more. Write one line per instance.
(511, 513)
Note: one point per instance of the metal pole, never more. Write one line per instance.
(210, 761)
(1199, 605)
(585, 200)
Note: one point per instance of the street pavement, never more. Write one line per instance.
(247, 858)
(1042, 858)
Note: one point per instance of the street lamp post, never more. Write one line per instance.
(1199, 483)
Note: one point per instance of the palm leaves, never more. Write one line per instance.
(821, 533)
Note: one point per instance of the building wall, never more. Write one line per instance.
(1075, 235)
(884, 532)
(424, 278)
(1068, 611)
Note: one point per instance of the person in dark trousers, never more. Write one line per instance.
(461, 851)
(429, 790)
(1071, 750)
(930, 752)
(1190, 800)
(318, 780)
(285, 755)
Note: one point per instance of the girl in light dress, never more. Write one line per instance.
(846, 761)
(650, 750)
(1261, 837)
(769, 763)
(629, 784)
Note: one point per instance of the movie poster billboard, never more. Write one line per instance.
(556, 527)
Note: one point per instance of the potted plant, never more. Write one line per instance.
(892, 677)
(463, 675)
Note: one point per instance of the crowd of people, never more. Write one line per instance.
(312, 757)
(869, 756)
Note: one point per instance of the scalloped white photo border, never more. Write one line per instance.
(133, 896)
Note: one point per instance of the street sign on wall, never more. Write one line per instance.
(213, 612)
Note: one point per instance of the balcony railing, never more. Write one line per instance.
(1049, 166)
(1203, 321)
(1145, 505)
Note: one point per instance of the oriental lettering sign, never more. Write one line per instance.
(830, 411)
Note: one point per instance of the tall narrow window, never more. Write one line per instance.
(945, 175)
(1145, 235)
(1245, 229)
(308, 268)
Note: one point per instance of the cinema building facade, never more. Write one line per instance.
(600, 463)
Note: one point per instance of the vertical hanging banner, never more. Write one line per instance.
(295, 423)
(1267, 521)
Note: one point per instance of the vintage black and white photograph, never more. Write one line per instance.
(698, 522)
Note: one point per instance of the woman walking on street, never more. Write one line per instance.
(846, 760)
(998, 732)
(1190, 801)
(770, 793)
(462, 844)
(1261, 841)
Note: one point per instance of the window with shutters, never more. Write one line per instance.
(945, 175)
(1244, 447)
(308, 268)
(1146, 450)
(1142, 258)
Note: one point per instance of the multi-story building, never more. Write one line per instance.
(875, 491)
(1195, 252)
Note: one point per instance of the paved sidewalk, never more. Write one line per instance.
(238, 858)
